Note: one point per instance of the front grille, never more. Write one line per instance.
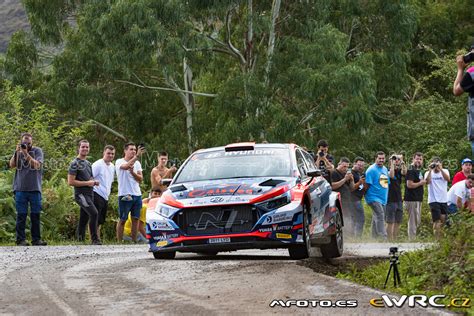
(217, 219)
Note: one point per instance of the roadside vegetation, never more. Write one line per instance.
(446, 268)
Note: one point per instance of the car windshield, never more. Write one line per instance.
(265, 162)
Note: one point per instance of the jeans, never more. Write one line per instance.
(359, 218)
(22, 200)
(378, 220)
(88, 213)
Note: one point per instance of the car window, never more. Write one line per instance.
(300, 163)
(309, 160)
(219, 164)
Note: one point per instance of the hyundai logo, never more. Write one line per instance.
(217, 200)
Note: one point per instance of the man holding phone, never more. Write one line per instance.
(161, 172)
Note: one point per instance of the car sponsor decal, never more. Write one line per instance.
(161, 243)
(278, 218)
(283, 236)
(276, 227)
(229, 189)
(160, 225)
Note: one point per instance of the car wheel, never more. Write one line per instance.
(335, 248)
(164, 255)
(301, 251)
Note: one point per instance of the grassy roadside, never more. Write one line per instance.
(446, 268)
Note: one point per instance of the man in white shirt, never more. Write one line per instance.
(459, 194)
(129, 176)
(103, 170)
(437, 179)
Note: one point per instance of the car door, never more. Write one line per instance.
(319, 192)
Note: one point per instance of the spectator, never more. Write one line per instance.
(127, 231)
(129, 176)
(80, 177)
(161, 172)
(343, 182)
(377, 183)
(464, 82)
(459, 194)
(28, 160)
(103, 170)
(394, 209)
(324, 161)
(466, 169)
(414, 194)
(357, 193)
(437, 179)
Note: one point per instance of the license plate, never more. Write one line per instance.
(219, 240)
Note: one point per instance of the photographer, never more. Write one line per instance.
(324, 161)
(27, 189)
(394, 209)
(343, 182)
(464, 82)
(161, 172)
(357, 193)
(437, 179)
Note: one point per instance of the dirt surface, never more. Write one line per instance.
(99, 280)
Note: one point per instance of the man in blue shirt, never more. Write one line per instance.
(377, 182)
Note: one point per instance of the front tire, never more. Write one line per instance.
(298, 252)
(336, 247)
(164, 255)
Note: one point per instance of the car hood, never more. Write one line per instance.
(226, 191)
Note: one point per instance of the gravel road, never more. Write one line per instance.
(99, 280)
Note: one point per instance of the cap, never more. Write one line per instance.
(466, 160)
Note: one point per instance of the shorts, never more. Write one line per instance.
(101, 205)
(394, 212)
(133, 206)
(452, 208)
(438, 209)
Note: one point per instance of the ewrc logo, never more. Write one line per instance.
(420, 300)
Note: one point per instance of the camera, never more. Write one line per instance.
(393, 250)
(469, 57)
(393, 157)
(433, 165)
(141, 145)
(321, 153)
(23, 145)
(349, 171)
(173, 162)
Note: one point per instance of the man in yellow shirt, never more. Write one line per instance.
(127, 231)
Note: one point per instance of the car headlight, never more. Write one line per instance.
(276, 202)
(165, 210)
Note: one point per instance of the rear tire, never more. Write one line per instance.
(298, 252)
(336, 247)
(164, 255)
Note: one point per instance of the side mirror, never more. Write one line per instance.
(166, 182)
(313, 173)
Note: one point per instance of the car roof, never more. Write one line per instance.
(260, 146)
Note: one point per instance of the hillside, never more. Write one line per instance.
(12, 18)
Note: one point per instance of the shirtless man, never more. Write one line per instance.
(161, 171)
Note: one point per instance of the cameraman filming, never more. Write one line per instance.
(324, 161)
(437, 179)
(394, 208)
(27, 189)
(464, 82)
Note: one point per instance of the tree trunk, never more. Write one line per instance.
(189, 103)
(271, 39)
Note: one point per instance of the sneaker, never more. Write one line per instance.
(39, 242)
(96, 242)
(22, 243)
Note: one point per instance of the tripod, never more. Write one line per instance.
(396, 276)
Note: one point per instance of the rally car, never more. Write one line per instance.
(244, 196)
